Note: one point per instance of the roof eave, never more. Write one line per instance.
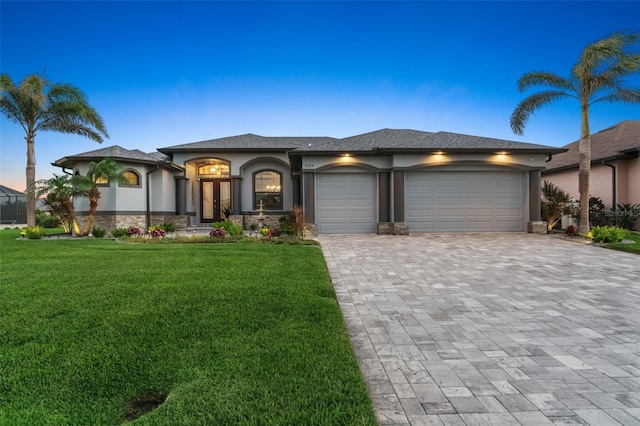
(169, 151)
(475, 150)
(628, 154)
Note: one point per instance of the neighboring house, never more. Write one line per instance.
(615, 165)
(387, 181)
(13, 206)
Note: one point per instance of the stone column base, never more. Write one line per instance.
(310, 230)
(400, 228)
(537, 227)
(384, 228)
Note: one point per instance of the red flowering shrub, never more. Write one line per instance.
(133, 231)
(218, 232)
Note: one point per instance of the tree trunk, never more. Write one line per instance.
(584, 169)
(94, 196)
(31, 179)
(75, 229)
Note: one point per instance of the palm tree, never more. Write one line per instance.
(107, 170)
(40, 106)
(60, 191)
(596, 77)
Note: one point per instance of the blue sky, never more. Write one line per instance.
(166, 73)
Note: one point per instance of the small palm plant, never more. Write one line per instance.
(555, 203)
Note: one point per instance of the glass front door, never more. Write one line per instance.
(216, 199)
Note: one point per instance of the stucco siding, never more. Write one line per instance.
(633, 180)
(601, 182)
(162, 191)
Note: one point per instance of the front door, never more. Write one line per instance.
(216, 198)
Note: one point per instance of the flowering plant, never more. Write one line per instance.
(275, 232)
(133, 231)
(156, 232)
(217, 232)
(571, 230)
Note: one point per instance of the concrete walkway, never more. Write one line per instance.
(491, 329)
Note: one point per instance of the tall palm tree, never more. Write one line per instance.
(107, 170)
(596, 77)
(41, 106)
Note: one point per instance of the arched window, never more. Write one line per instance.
(101, 181)
(131, 179)
(267, 187)
(214, 169)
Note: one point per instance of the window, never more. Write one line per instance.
(101, 181)
(130, 179)
(267, 187)
(214, 169)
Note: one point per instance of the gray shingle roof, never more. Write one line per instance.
(607, 143)
(384, 138)
(389, 140)
(457, 141)
(247, 142)
(398, 140)
(117, 152)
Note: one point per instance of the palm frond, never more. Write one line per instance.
(543, 78)
(610, 53)
(108, 169)
(531, 104)
(624, 95)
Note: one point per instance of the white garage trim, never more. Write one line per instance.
(465, 201)
(345, 203)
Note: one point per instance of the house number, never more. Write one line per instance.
(309, 165)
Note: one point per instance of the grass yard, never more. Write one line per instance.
(631, 248)
(227, 333)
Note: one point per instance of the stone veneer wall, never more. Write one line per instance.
(111, 222)
(271, 221)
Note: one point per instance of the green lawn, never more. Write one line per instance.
(232, 333)
(631, 248)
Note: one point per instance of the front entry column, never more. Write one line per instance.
(535, 224)
(309, 196)
(181, 195)
(400, 226)
(237, 194)
(398, 196)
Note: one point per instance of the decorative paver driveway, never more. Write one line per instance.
(491, 329)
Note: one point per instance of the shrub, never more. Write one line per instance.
(46, 219)
(218, 232)
(167, 227)
(607, 234)
(98, 232)
(157, 231)
(33, 232)
(119, 232)
(571, 230)
(273, 233)
(598, 215)
(133, 231)
(627, 215)
(264, 231)
(287, 223)
(300, 222)
(229, 227)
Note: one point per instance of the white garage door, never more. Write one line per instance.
(345, 203)
(464, 201)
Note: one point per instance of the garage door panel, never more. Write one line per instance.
(464, 201)
(345, 203)
(444, 213)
